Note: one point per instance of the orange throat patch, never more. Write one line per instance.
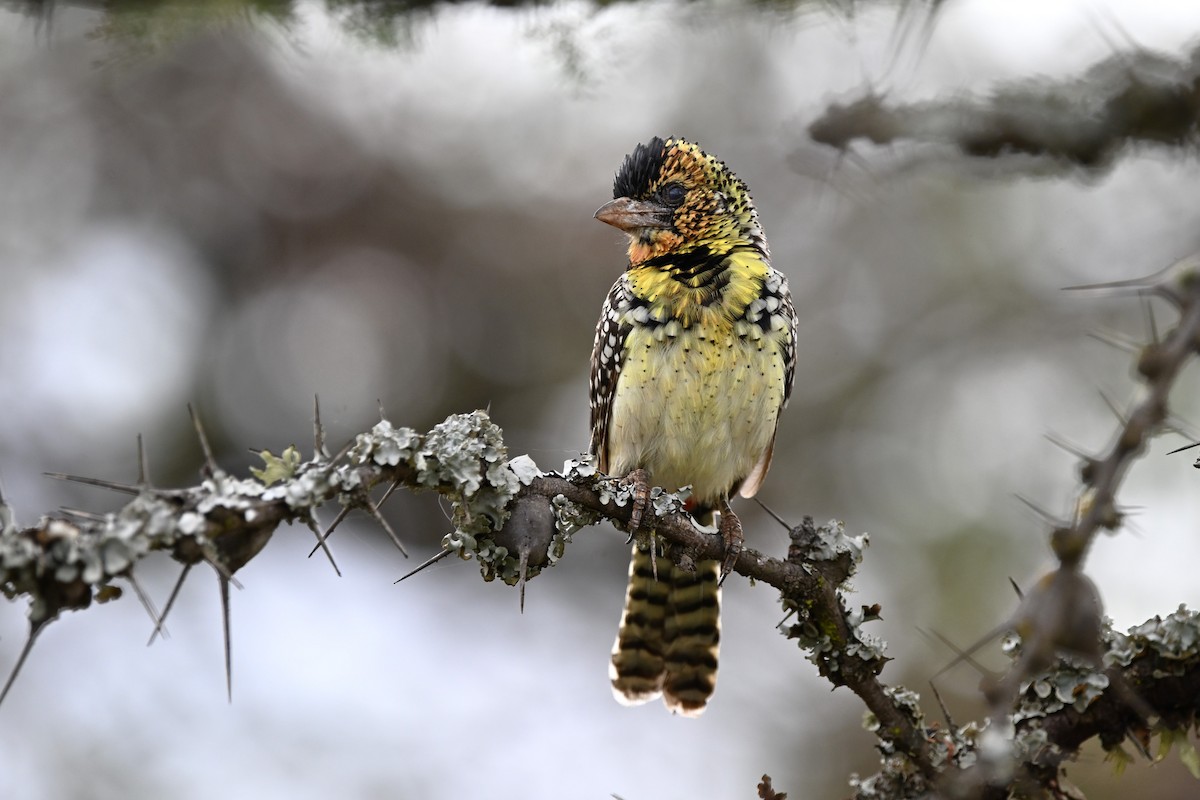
(661, 243)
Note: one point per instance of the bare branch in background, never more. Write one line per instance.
(1128, 99)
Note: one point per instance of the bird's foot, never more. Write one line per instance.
(732, 536)
(640, 489)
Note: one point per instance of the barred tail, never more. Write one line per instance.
(668, 640)
(636, 669)
(693, 634)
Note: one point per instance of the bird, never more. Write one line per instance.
(693, 360)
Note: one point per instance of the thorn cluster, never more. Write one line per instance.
(64, 564)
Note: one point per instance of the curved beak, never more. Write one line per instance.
(629, 214)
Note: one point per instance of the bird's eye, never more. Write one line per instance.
(672, 194)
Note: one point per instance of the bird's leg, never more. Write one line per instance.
(732, 536)
(639, 485)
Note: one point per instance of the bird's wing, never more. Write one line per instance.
(776, 285)
(608, 353)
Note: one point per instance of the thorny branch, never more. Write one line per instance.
(515, 520)
(1128, 99)
(1158, 364)
(225, 521)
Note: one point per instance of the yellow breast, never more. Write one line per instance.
(696, 405)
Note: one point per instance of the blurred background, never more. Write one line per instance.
(243, 204)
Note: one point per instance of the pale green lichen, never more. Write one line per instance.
(1174, 638)
(234, 496)
(958, 747)
(89, 555)
(663, 503)
(1072, 683)
(467, 450)
(386, 446)
(492, 561)
(8, 520)
(311, 485)
(463, 456)
(277, 468)
(478, 516)
(582, 467)
(897, 778)
(146, 519)
(831, 542)
(17, 552)
(1076, 683)
(461, 543)
(558, 546)
(227, 519)
(905, 700)
(191, 523)
(864, 644)
(614, 491)
(908, 701)
(818, 645)
(570, 517)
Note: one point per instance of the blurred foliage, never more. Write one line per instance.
(145, 26)
(149, 25)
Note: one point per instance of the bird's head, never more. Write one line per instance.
(671, 197)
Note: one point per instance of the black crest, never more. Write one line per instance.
(640, 169)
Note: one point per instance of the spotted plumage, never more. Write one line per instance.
(694, 357)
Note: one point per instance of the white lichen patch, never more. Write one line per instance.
(831, 542)
(525, 470)
(386, 445)
(1175, 637)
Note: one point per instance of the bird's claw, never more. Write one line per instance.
(733, 538)
(640, 489)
